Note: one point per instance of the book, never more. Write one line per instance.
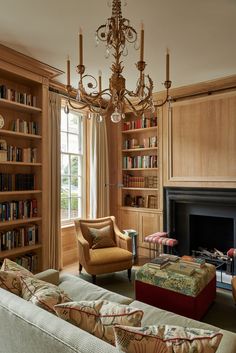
(159, 262)
(183, 269)
(170, 257)
(197, 262)
(157, 267)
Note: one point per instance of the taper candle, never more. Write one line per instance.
(68, 71)
(80, 46)
(100, 80)
(167, 65)
(142, 42)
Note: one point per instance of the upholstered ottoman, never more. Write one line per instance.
(185, 295)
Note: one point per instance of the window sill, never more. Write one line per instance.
(66, 226)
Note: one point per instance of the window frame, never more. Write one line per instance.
(83, 155)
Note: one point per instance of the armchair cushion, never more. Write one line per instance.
(102, 238)
(84, 226)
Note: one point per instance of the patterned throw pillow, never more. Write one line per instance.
(166, 339)
(10, 281)
(9, 265)
(98, 317)
(101, 237)
(42, 294)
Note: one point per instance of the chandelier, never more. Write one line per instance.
(116, 99)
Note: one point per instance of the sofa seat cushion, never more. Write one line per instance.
(109, 255)
(78, 289)
(166, 339)
(42, 294)
(10, 281)
(99, 317)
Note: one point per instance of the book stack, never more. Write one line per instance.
(195, 262)
(158, 263)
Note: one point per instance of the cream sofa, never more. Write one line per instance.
(25, 328)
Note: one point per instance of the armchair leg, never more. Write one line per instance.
(129, 274)
(80, 268)
(94, 279)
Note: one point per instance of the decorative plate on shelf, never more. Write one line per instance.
(1, 121)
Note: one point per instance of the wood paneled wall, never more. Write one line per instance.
(69, 246)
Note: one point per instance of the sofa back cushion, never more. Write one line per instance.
(98, 317)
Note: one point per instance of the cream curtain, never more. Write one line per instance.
(99, 170)
(54, 242)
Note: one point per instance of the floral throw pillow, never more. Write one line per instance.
(42, 294)
(10, 281)
(166, 339)
(9, 265)
(99, 317)
(101, 237)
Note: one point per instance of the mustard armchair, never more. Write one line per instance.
(102, 247)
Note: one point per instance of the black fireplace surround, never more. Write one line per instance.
(201, 218)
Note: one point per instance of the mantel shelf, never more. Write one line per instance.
(5, 103)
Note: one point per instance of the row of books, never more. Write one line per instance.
(19, 237)
(16, 182)
(139, 162)
(28, 261)
(146, 143)
(13, 210)
(18, 154)
(140, 123)
(26, 127)
(140, 181)
(15, 96)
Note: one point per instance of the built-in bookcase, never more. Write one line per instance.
(23, 159)
(141, 187)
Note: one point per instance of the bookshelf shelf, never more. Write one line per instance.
(126, 169)
(145, 129)
(20, 221)
(20, 192)
(5, 103)
(20, 250)
(140, 209)
(140, 149)
(22, 164)
(141, 189)
(19, 134)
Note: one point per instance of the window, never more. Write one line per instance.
(72, 166)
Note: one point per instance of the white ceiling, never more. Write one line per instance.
(200, 35)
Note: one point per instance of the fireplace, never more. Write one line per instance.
(201, 218)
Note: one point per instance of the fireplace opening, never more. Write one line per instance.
(211, 233)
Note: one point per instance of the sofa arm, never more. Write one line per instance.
(50, 276)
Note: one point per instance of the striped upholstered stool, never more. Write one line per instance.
(153, 239)
(168, 242)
